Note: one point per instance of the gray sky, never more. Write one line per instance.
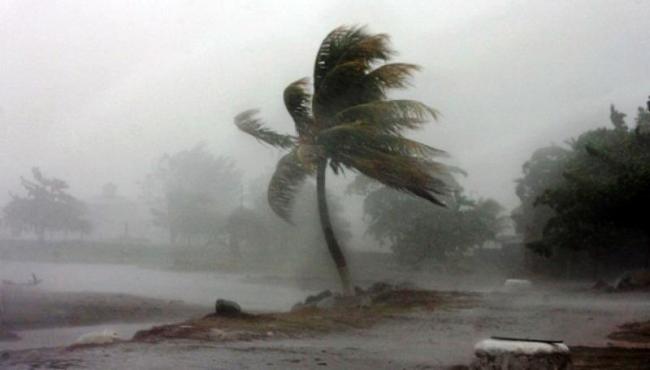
(94, 91)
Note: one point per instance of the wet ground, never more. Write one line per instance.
(426, 340)
(197, 288)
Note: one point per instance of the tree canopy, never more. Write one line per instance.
(191, 192)
(46, 207)
(346, 121)
(418, 232)
(592, 193)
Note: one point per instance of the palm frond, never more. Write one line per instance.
(391, 76)
(298, 102)
(363, 137)
(422, 178)
(341, 88)
(247, 122)
(348, 84)
(408, 147)
(396, 161)
(286, 181)
(390, 116)
(346, 44)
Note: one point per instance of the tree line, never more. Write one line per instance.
(582, 203)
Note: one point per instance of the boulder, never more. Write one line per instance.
(314, 299)
(224, 307)
(500, 354)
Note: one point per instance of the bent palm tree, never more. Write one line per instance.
(350, 124)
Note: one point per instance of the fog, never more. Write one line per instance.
(133, 105)
(94, 92)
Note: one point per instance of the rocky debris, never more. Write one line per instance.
(318, 297)
(224, 307)
(362, 297)
(633, 280)
(492, 354)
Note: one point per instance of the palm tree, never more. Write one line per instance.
(348, 123)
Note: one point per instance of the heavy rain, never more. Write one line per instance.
(325, 185)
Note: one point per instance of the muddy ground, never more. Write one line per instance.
(437, 337)
(31, 308)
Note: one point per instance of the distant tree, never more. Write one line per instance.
(46, 207)
(419, 232)
(191, 192)
(348, 123)
(245, 226)
(258, 232)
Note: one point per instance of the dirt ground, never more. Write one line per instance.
(437, 331)
(346, 314)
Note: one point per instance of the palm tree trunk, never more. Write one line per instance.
(326, 224)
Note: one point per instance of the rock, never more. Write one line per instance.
(633, 280)
(493, 354)
(313, 299)
(224, 307)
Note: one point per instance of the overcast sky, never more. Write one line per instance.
(94, 91)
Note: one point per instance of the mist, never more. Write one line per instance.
(123, 114)
(84, 82)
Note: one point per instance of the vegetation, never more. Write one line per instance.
(191, 192)
(593, 206)
(347, 122)
(541, 172)
(260, 239)
(47, 207)
(420, 233)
